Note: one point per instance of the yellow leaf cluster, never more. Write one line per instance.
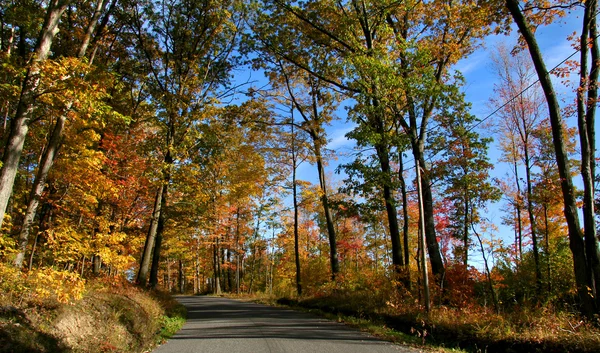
(41, 285)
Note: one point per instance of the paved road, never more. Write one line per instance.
(219, 325)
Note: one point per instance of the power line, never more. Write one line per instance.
(504, 104)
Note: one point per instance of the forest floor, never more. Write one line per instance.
(445, 329)
(109, 317)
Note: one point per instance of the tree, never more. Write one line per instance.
(393, 59)
(29, 89)
(584, 273)
(316, 111)
(186, 47)
(51, 149)
(520, 105)
(464, 172)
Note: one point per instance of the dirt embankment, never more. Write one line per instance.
(117, 319)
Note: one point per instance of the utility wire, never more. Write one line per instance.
(503, 105)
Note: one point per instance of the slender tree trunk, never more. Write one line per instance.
(254, 242)
(181, 277)
(425, 275)
(168, 281)
(390, 207)
(433, 248)
(158, 242)
(534, 240)
(217, 268)
(89, 33)
(313, 127)
(518, 206)
(237, 252)
(50, 151)
(296, 232)
(38, 187)
(142, 277)
(466, 231)
(166, 179)
(586, 110)
(547, 238)
(488, 274)
(576, 242)
(229, 272)
(333, 256)
(34, 247)
(405, 227)
(20, 123)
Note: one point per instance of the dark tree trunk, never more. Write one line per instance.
(158, 243)
(38, 187)
(534, 240)
(392, 214)
(433, 248)
(333, 257)
(586, 114)
(576, 242)
(518, 207)
(142, 277)
(296, 233)
(405, 227)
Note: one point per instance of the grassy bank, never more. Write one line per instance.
(107, 316)
(446, 329)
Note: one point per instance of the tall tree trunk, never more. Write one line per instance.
(405, 227)
(383, 157)
(20, 123)
(295, 201)
(586, 111)
(425, 275)
(547, 238)
(158, 242)
(142, 277)
(50, 151)
(466, 230)
(166, 179)
(254, 242)
(433, 248)
(237, 252)
(313, 126)
(229, 272)
(181, 277)
(217, 268)
(38, 188)
(534, 240)
(576, 242)
(488, 274)
(333, 256)
(518, 205)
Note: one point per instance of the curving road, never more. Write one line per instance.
(218, 325)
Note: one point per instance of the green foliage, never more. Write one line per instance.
(169, 326)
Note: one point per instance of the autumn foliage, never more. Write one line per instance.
(134, 149)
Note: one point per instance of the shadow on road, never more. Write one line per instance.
(218, 318)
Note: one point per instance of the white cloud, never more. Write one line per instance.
(338, 137)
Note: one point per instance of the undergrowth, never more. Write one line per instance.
(102, 315)
(470, 328)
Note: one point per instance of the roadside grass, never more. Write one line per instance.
(173, 318)
(109, 316)
(452, 329)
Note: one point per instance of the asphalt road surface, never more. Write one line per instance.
(219, 325)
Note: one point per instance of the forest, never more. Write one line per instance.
(169, 144)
